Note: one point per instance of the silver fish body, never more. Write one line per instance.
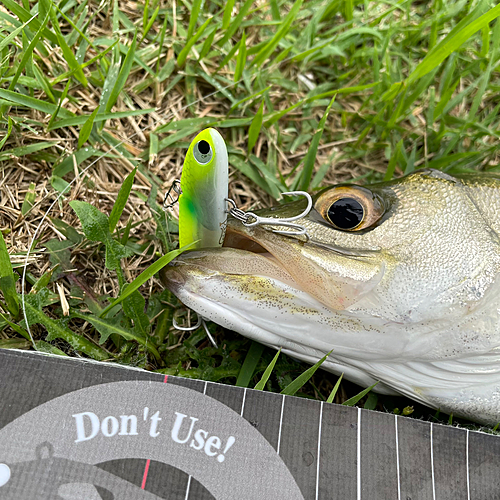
(410, 297)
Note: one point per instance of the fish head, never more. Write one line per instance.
(388, 275)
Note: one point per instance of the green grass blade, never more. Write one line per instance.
(14, 343)
(251, 361)
(455, 39)
(68, 53)
(309, 160)
(25, 16)
(8, 39)
(7, 134)
(251, 173)
(255, 127)
(349, 10)
(122, 75)
(371, 401)
(44, 83)
(332, 395)
(275, 11)
(7, 154)
(226, 18)
(161, 41)
(181, 58)
(87, 128)
(77, 31)
(233, 27)
(16, 327)
(69, 74)
(28, 53)
(229, 56)
(121, 200)
(273, 117)
(150, 23)
(391, 167)
(44, 280)
(239, 103)
(57, 330)
(362, 394)
(268, 49)
(303, 378)
(102, 117)
(208, 43)
(126, 232)
(146, 275)
(242, 58)
(29, 199)
(31, 102)
(7, 281)
(193, 17)
(276, 186)
(145, 14)
(59, 104)
(267, 373)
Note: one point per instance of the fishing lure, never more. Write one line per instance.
(203, 191)
(203, 202)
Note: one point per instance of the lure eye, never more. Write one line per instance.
(350, 208)
(202, 152)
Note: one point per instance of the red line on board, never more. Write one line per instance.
(145, 476)
(146, 469)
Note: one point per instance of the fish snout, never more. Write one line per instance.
(172, 277)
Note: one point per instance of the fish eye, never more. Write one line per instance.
(350, 208)
(202, 152)
(346, 213)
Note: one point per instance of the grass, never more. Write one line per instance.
(98, 102)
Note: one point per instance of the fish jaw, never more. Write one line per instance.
(270, 309)
(336, 279)
(274, 312)
(256, 289)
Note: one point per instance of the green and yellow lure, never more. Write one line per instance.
(204, 187)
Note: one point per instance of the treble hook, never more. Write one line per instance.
(186, 328)
(176, 188)
(249, 219)
(201, 321)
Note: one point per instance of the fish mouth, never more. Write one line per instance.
(334, 279)
(242, 254)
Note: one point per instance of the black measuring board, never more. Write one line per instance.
(415, 463)
(72, 427)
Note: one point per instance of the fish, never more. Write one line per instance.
(204, 189)
(401, 279)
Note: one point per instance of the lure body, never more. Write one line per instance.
(204, 186)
